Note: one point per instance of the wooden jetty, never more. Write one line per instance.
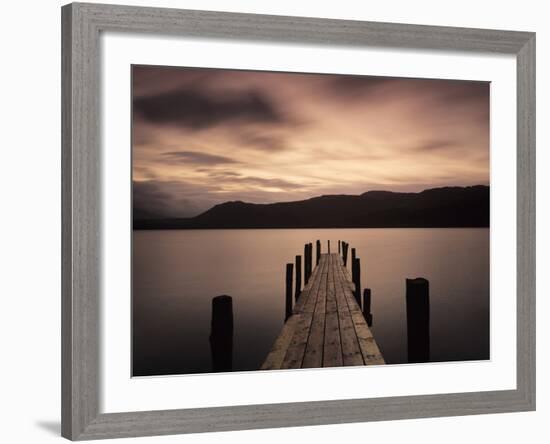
(326, 327)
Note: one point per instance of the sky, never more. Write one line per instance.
(201, 137)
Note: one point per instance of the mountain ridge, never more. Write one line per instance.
(433, 208)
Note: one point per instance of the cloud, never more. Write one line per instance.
(352, 85)
(435, 145)
(265, 182)
(197, 110)
(149, 200)
(202, 137)
(262, 141)
(196, 157)
(158, 199)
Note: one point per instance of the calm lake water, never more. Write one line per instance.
(176, 273)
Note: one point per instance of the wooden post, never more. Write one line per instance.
(298, 276)
(353, 256)
(366, 306)
(311, 258)
(317, 252)
(418, 319)
(221, 334)
(288, 293)
(328, 249)
(356, 278)
(346, 245)
(306, 255)
(339, 248)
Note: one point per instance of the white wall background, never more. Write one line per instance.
(30, 219)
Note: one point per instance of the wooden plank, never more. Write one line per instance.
(313, 357)
(332, 351)
(275, 357)
(369, 349)
(296, 350)
(307, 291)
(351, 351)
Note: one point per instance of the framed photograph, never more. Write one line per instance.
(278, 221)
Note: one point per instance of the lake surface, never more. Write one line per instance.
(176, 273)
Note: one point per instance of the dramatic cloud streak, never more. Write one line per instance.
(203, 136)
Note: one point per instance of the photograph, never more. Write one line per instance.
(287, 220)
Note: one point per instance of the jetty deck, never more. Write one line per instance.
(326, 327)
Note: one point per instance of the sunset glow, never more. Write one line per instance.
(203, 137)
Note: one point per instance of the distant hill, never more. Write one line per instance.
(437, 207)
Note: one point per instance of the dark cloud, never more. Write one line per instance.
(448, 92)
(435, 145)
(153, 80)
(149, 200)
(352, 85)
(158, 199)
(165, 199)
(262, 141)
(197, 157)
(196, 109)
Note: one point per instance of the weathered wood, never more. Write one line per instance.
(307, 264)
(307, 291)
(306, 247)
(317, 252)
(298, 288)
(356, 278)
(313, 357)
(366, 306)
(369, 349)
(310, 260)
(296, 350)
(418, 319)
(288, 291)
(351, 352)
(327, 327)
(333, 344)
(345, 253)
(275, 358)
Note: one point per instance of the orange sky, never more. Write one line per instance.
(202, 137)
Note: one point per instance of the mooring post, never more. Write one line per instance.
(366, 306)
(418, 319)
(353, 256)
(346, 245)
(317, 251)
(288, 292)
(221, 334)
(339, 247)
(306, 261)
(356, 278)
(328, 249)
(298, 276)
(311, 259)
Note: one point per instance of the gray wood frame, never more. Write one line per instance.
(81, 26)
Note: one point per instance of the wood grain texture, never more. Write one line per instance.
(81, 25)
(80, 221)
(329, 329)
